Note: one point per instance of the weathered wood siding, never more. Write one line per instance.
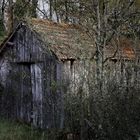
(30, 74)
(78, 74)
(52, 95)
(27, 47)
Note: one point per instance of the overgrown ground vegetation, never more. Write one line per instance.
(15, 130)
(11, 130)
(112, 113)
(112, 116)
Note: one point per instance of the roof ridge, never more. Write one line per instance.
(50, 22)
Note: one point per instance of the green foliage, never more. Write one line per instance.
(20, 9)
(23, 9)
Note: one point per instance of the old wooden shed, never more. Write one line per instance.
(36, 61)
(41, 61)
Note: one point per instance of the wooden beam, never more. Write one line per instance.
(10, 43)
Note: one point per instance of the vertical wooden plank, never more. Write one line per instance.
(36, 81)
(47, 114)
(60, 97)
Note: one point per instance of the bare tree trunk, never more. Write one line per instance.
(66, 11)
(34, 7)
(51, 9)
(99, 47)
(56, 10)
(2, 10)
(2, 28)
(10, 16)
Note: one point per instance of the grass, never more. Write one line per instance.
(10, 130)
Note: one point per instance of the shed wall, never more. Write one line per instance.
(29, 74)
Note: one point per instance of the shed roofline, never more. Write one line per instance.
(19, 26)
(7, 39)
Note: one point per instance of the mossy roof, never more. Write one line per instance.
(67, 41)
